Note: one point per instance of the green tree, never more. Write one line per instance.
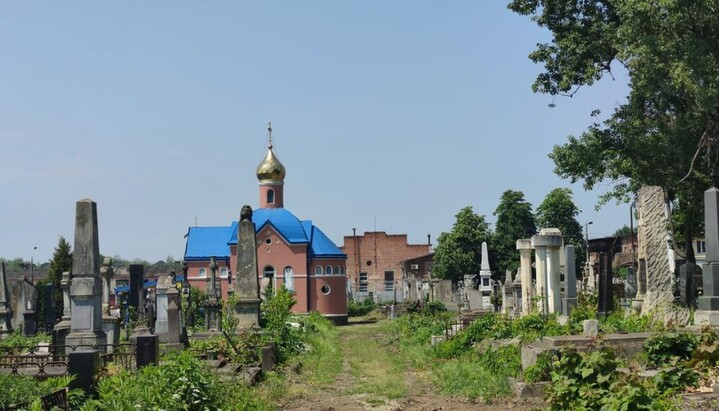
(624, 231)
(558, 210)
(515, 220)
(459, 252)
(667, 132)
(61, 262)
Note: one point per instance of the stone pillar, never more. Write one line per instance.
(708, 303)
(164, 284)
(106, 273)
(546, 245)
(5, 312)
(63, 327)
(247, 286)
(86, 286)
(570, 280)
(173, 318)
(213, 303)
(540, 267)
(525, 273)
(652, 239)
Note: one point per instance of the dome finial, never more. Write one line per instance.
(270, 169)
(269, 132)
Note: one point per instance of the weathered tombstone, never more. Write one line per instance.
(485, 279)
(5, 311)
(570, 281)
(62, 329)
(110, 323)
(708, 303)
(29, 324)
(525, 252)
(591, 328)
(605, 247)
(164, 284)
(147, 350)
(631, 283)
(84, 366)
(247, 287)
(173, 318)
(653, 240)
(213, 304)
(546, 246)
(638, 301)
(687, 286)
(86, 286)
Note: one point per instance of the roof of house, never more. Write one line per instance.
(206, 242)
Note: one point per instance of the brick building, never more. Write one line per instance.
(290, 252)
(374, 260)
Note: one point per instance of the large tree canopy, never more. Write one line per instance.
(559, 211)
(459, 252)
(666, 132)
(515, 220)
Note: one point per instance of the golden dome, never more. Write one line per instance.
(270, 169)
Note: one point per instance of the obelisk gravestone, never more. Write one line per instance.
(247, 286)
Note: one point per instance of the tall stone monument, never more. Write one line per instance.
(570, 281)
(654, 247)
(164, 284)
(546, 246)
(247, 286)
(86, 286)
(485, 278)
(5, 311)
(525, 252)
(708, 303)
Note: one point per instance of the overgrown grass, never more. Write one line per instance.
(479, 375)
(323, 361)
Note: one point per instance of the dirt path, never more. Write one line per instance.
(374, 377)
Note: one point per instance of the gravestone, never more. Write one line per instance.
(653, 240)
(164, 284)
(62, 329)
(136, 297)
(525, 252)
(173, 318)
(631, 283)
(86, 286)
(29, 324)
(5, 311)
(546, 246)
(687, 284)
(110, 323)
(708, 303)
(570, 280)
(485, 278)
(247, 286)
(213, 304)
(605, 247)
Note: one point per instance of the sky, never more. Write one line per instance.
(388, 116)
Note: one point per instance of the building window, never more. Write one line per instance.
(337, 270)
(289, 278)
(223, 272)
(325, 289)
(270, 196)
(701, 247)
(342, 269)
(363, 282)
(389, 280)
(268, 272)
(318, 270)
(202, 273)
(328, 270)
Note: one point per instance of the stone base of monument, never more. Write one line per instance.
(706, 317)
(568, 304)
(84, 365)
(637, 305)
(60, 332)
(85, 340)
(111, 327)
(247, 312)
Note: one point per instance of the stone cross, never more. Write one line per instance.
(247, 286)
(212, 281)
(86, 286)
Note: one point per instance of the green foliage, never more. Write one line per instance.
(180, 382)
(663, 348)
(323, 362)
(20, 389)
(192, 307)
(17, 343)
(60, 263)
(515, 220)
(419, 327)
(275, 319)
(665, 132)
(619, 322)
(459, 252)
(624, 231)
(541, 370)
(356, 309)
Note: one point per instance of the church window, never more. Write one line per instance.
(363, 282)
(202, 273)
(289, 278)
(223, 272)
(270, 196)
(318, 270)
(268, 272)
(325, 289)
(337, 270)
(328, 270)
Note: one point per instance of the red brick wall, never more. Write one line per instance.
(384, 252)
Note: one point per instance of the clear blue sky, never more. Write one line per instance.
(392, 115)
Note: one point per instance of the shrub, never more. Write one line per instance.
(541, 370)
(357, 309)
(275, 318)
(661, 348)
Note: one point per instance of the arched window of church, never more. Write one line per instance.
(268, 272)
(270, 196)
(223, 272)
(289, 278)
(328, 270)
(337, 270)
(318, 270)
(203, 272)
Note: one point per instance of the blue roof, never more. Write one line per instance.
(206, 242)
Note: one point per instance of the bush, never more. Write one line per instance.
(662, 348)
(275, 319)
(541, 370)
(357, 309)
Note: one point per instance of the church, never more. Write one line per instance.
(290, 252)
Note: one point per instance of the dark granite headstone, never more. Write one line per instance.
(84, 365)
(631, 283)
(137, 278)
(147, 350)
(49, 307)
(687, 293)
